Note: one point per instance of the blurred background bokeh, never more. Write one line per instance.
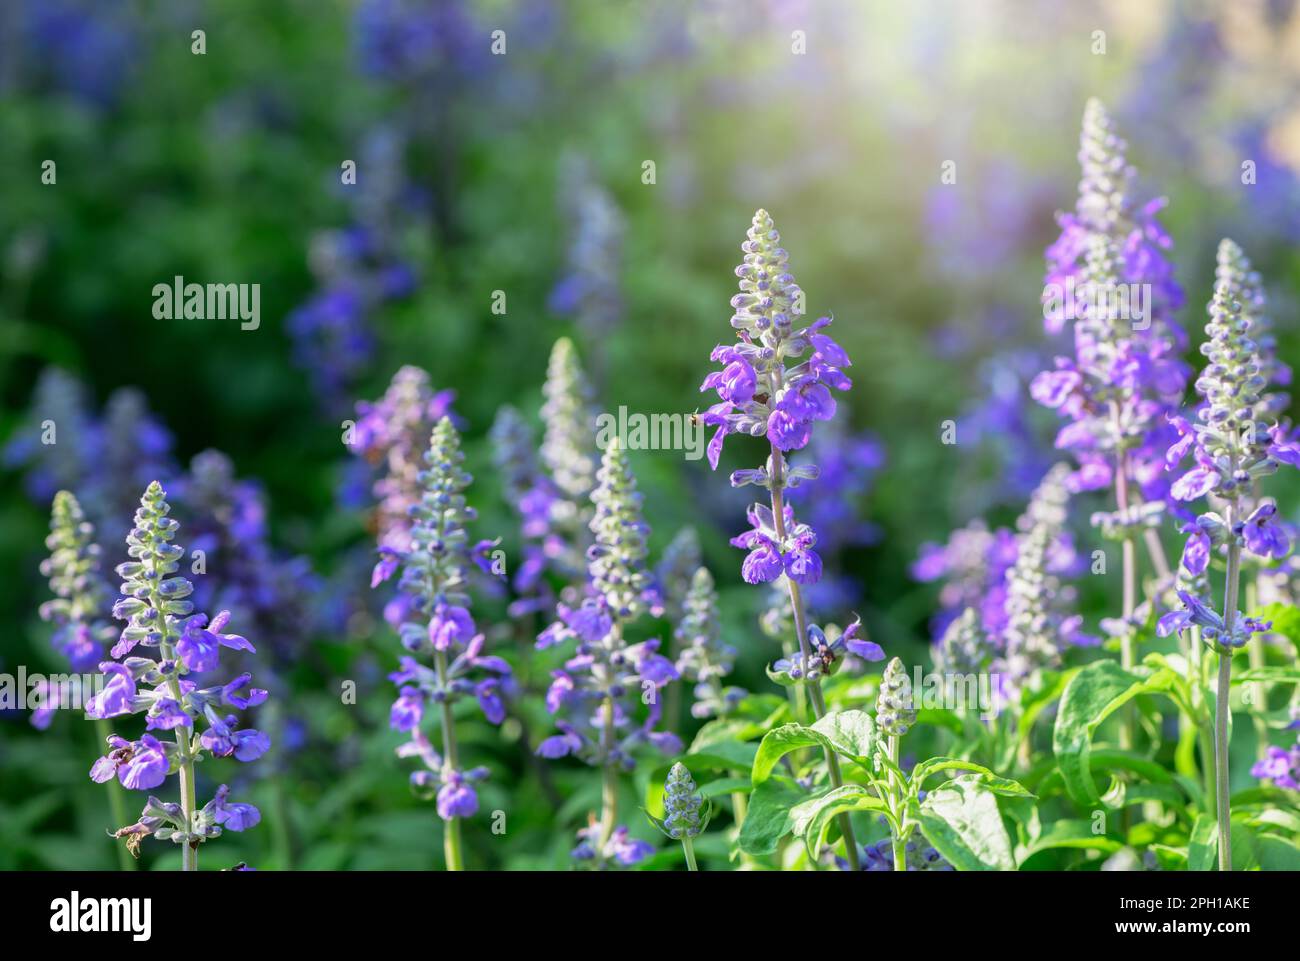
(524, 173)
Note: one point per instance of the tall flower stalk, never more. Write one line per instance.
(761, 396)
(1232, 448)
(154, 605)
(77, 611)
(594, 694)
(1108, 273)
(437, 627)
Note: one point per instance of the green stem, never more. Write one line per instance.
(739, 808)
(1222, 805)
(814, 686)
(1128, 652)
(896, 789)
(1222, 707)
(1259, 693)
(451, 839)
(189, 850)
(116, 801)
(609, 780)
(689, 848)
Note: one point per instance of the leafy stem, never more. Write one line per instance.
(805, 652)
(451, 839)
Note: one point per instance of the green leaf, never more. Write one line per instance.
(851, 734)
(768, 819)
(1203, 845)
(723, 730)
(961, 819)
(1278, 854)
(1071, 834)
(812, 819)
(1091, 696)
(1037, 701)
(780, 742)
(725, 785)
(1274, 675)
(1286, 621)
(996, 784)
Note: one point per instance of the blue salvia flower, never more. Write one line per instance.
(972, 566)
(595, 693)
(166, 688)
(58, 441)
(133, 448)
(1232, 448)
(568, 451)
(705, 659)
(439, 628)
(405, 41)
(964, 647)
(1037, 627)
(530, 493)
(80, 594)
(226, 519)
(920, 856)
(591, 289)
(675, 572)
(78, 613)
(768, 387)
(392, 434)
(85, 49)
(760, 394)
(1125, 375)
(358, 270)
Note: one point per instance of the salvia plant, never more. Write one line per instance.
(1036, 740)
(446, 661)
(177, 689)
(595, 696)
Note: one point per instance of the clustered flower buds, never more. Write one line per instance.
(705, 658)
(1036, 627)
(685, 813)
(895, 713)
(80, 594)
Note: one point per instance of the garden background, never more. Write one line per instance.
(524, 172)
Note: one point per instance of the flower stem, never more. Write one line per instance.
(1128, 652)
(189, 850)
(116, 801)
(689, 848)
(1258, 690)
(609, 780)
(1222, 811)
(451, 839)
(895, 837)
(1222, 708)
(801, 633)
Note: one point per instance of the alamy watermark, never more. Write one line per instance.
(181, 301)
(958, 692)
(636, 431)
(48, 692)
(1071, 301)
